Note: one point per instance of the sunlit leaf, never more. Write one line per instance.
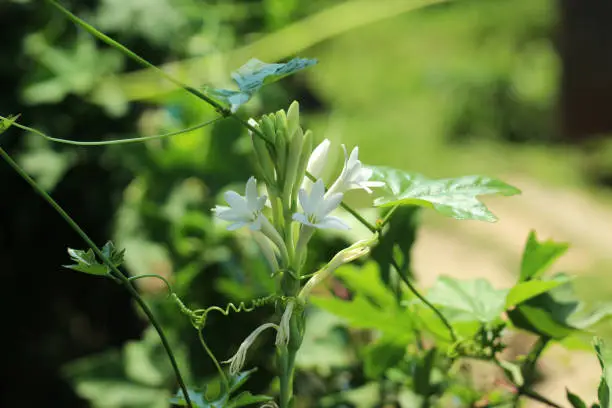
(252, 76)
(475, 299)
(538, 256)
(456, 198)
(373, 306)
(558, 313)
(526, 290)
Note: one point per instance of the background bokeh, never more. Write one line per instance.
(464, 87)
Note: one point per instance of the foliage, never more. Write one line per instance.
(397, 345)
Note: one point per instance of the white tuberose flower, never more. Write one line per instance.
(316, 163)
(353, 175)
(318, 159)
(317, 206)
(243, 210)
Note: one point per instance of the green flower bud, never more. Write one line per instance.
(293, 119)
(267, 127)
(281, 126)
(264, 159)
(307, 145)
(293, 161)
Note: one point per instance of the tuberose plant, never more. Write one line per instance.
(286, 204)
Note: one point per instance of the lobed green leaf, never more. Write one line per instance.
(473, 299)
(252, 76)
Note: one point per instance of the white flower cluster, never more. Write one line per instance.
(316, 203)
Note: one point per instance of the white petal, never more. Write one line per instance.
(236, 225)
(317, 192)
(256, 225)
(328, 205)
(219, 210)
(332, 222)
(250, 194)
(261, 203)
(373, 183)
(305, 201)
(236, 201)
(354, 158)
(318, 159)
(301, 218)
(366, 173)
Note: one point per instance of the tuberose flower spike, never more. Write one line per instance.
(317, 206)
(243, 210)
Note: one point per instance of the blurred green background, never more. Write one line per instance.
(455, 88)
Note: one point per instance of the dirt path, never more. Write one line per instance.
(471, 250)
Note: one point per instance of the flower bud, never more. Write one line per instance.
(267, 128)
(293, 161)
(301, 169)
(281, 126)
(357, 250)
(264, 159)
(293, 118)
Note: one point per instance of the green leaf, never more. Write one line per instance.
(530, 289)
(199, 399)
(575, 400)
(604, 354)
(513, 372)
(456, 198)
(246, 398)
(373, 306)
(538, 256)
(399, 237)
(7, 123)
(326, 343)
(382, 355)
(422, 373)
(367, 282)
(558, 313)
(86, 260)
(474, 299)
(252, 76)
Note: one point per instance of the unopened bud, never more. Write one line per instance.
(293, 118)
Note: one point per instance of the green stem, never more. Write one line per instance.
(422, 298)
(116, 273)
(214, 360)
(114, 142)
(388, 216)
(528, 370)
